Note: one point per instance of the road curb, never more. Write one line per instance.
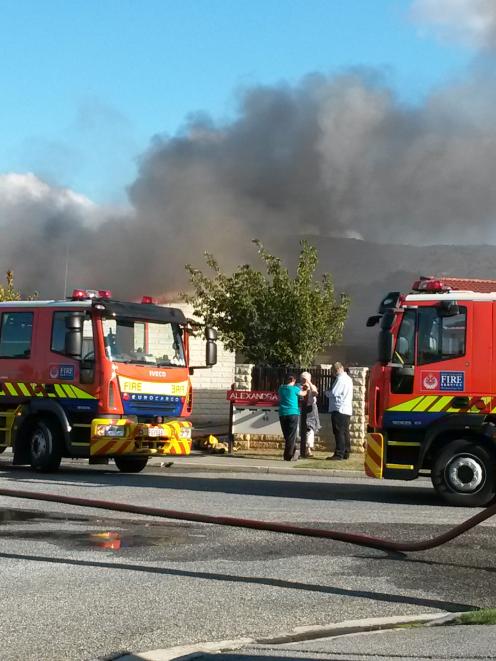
(303, 633)
(259, 469)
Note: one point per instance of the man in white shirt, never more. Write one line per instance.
(341, 407)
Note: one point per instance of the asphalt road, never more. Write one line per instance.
(65, 593)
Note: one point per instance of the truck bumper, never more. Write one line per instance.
(122, 436)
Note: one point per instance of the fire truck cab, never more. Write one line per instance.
(432, 392)
(97, 378)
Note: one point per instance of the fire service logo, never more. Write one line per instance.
(430, 382)
(446, 381)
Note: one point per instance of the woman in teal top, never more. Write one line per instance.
(289, 414)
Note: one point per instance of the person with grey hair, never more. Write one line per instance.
(309, 418)
(341, 407)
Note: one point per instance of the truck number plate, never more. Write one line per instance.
(156, 432)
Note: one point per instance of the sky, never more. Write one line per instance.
(138, 135)
(86, 85)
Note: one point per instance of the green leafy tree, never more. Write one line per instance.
(271, 317)
(9, 292)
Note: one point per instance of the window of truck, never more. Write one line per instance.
(145, 343)
(15, 334)
(404, 351)
(440, 337)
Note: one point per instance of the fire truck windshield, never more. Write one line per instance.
(143, 343)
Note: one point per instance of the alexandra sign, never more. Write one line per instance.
(252, 397)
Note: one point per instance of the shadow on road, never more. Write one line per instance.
(232, 656)
(253, 580)
(297, 487)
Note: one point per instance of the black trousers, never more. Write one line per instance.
(341, 431)
(289, 426)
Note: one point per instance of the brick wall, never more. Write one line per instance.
(358, 425)
(242, 376)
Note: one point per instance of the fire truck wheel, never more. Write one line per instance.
(464, 474)
(130, 464)
(44, 446)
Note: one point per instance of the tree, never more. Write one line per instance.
(271, 317)
(9, 292)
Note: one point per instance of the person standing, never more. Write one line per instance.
(309, 420)
(289, 414)
(341, 407)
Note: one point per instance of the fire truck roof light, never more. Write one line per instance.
(86, 294)
(104, 293)
(431, 285)
(79, 295)
(148, 299)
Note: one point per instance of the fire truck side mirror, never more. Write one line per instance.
(210, 333)
(211, 349)
(74, 334)
(211, 353)
(374, 320)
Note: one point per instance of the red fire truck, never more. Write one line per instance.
(97, 378)
(432, 393)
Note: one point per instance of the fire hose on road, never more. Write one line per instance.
(350, 538)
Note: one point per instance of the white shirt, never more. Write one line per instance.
(341, 395)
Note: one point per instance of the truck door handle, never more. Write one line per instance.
(459, 402)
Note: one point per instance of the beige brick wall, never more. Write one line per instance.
(242, 376)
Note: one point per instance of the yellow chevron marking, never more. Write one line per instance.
(475, 409)
(408, 405)
(82, 394)
(374, 468)
(36, 390)
(176, 427)
(427, 401)
(374, 445)
(69, 391)
(12, 390)
(59, 390)
(96, 446)
(440, 404)
(23, 389)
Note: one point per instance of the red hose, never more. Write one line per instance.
(350, 538)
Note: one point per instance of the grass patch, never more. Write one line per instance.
(483, 616)
(355, 462)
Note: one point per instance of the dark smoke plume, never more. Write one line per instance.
(333, 156)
